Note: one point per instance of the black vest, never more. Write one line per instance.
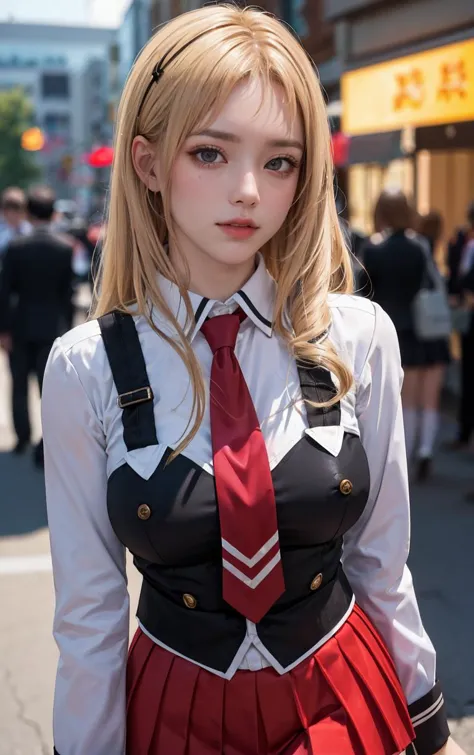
(170, 524)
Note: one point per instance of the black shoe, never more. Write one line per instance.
(21, 447)
(424, 470)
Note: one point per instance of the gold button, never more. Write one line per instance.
(316, 583)
(144, 511)
(345, 487)
(189, 600)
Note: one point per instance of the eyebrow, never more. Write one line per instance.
(228, 137)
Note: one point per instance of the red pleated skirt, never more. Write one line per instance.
(346, 699)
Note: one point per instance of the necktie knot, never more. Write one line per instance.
(221, 331)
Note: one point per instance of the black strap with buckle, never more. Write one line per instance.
(135, 396)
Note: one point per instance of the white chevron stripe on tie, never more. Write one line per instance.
(250, 562)
(253, 583)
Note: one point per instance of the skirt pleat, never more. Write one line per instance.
(173, 725)
(207, 716)
(370, 667)
(146, 693)
(363, 718)
(241, 717)
(344, 700)
(278, 712)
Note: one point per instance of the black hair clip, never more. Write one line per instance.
(157, 73)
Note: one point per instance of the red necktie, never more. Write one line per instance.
(252, 570)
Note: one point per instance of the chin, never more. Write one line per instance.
(234, 254)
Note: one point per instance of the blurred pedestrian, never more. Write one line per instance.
(35, 305)
(13, 220)
(467, 377)
(466, 400)
(396, 263)
(212, 390)
(436, 357)
(461, 267)
(457, 264)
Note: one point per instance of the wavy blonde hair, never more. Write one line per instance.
(307, 256)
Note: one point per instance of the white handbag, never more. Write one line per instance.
(431, 311)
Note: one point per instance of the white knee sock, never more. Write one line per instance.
(410, 420)
(428, 432)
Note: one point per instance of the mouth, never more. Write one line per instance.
(239, 223)
(238, 230)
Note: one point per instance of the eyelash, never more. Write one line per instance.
(294, 163)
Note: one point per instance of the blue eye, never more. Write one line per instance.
(207, 155)
(282, 164)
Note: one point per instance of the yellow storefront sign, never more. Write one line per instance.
(426, 89)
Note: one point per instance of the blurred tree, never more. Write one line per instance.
(17, 166)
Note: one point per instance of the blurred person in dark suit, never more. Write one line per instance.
(468, 365)
(35, 305)
(460, 287)
(395, 263)
(456, 251)
(13, 221)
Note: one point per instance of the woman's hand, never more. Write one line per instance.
(451, 748)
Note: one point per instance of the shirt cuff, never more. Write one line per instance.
(428, 716)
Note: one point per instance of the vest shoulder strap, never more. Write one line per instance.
(135, 395)
(317, 386)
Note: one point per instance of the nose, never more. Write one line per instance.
(245, 190)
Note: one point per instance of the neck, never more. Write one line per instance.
(214, 280)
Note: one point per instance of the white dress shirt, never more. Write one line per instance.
(84, 444)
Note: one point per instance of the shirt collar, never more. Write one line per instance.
(256, 298)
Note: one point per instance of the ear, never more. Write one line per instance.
(145, 162)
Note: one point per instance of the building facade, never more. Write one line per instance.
(132, 35)
(60, 69)
(407, 101)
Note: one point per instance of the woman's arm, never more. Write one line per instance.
(92, 606)
(376, 548)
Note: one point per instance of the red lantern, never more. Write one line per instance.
(101, 157)
(340, 149)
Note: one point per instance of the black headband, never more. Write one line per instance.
(159, 69)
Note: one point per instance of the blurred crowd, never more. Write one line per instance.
(428, 292)
(47, 250)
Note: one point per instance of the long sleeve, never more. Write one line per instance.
(6, 290)
(376, 548)
(92, 604)
(67, 291)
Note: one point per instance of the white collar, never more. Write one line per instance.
(256, 298)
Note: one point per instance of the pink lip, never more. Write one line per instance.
(247, 222)
(238, 232)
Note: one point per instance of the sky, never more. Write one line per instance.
(79, 12)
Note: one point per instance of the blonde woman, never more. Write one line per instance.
(232, 417)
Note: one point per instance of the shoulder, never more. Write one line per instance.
(64, 242)
(416, 240)
(373, 246)
(16, 244)
(79, 353)
(360, 330)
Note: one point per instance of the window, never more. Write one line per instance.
(57, 124)
(55, 85)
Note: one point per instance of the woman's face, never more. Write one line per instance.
(233, 183)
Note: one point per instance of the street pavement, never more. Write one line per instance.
(442, 561)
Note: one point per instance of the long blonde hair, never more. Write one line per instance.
(307, 257)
